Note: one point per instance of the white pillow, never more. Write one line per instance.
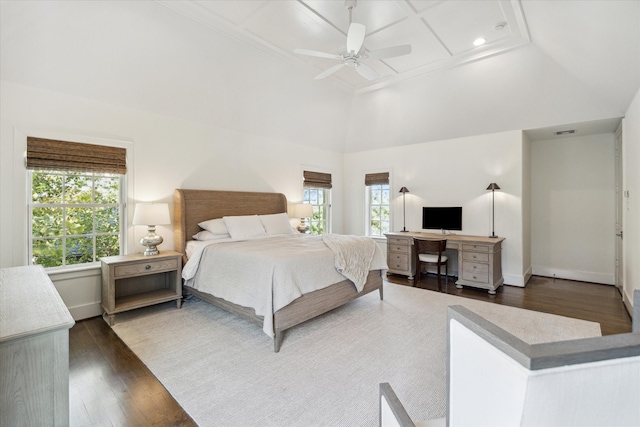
(207, 235)
(276, 223)
(215, 226)
(243, 227)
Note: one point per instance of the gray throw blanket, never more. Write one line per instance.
(352, 256)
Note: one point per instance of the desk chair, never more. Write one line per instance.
(429, 251)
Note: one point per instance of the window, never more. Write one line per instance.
(378, 203)
(317, 192)
(76, 208)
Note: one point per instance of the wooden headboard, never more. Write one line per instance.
(194, 206)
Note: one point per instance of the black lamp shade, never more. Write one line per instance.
(404, 190)
(492, 186)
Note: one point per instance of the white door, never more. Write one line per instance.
(619, 208)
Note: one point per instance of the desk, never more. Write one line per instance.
(479, 258)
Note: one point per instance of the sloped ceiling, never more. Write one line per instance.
(230, 64)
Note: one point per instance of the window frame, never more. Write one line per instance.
(325, 207)
(369, 207)
(120, 205)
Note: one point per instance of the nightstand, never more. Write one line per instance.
(134, 281)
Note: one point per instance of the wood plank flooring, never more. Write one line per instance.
(110, 386)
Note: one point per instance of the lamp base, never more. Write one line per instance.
(303, 227)
(151, 241)
(493, 236)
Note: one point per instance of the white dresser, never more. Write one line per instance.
(34, 350)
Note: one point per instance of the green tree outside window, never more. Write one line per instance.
(76, 217)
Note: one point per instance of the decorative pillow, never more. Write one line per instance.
(207, 235)
(215, 226)
(243, 227)
(276, 223)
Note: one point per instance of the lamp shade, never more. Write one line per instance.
(151, 214)
(493, 186)
(404, 190)
(303, 210)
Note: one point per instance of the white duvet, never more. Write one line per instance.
(268, 273)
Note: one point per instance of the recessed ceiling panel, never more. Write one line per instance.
(459, 23)
(423, 47)
(289, 25)
(422, 5)
(373, 14)
(231, 10)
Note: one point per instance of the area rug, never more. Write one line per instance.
(223, 371)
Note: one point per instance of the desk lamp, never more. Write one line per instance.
(493, 186)
(404, 191)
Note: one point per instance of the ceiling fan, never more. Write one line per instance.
(355, 52)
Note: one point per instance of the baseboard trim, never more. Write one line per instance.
(85, 311)
(581, 276)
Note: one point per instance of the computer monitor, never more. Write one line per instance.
(442, 218)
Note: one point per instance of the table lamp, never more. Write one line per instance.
(151, 214)
(303, 211)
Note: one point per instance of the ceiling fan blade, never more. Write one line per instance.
(316, 53)
(366, 71)
(390, 52)
(355, 37)
(329, 71)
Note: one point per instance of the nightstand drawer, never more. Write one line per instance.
(149, 267)
(475, 256)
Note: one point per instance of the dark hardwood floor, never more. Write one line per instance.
(110, 386)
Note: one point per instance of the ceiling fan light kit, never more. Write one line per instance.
(355, 51)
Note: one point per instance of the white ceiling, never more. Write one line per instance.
(441, 33)
(231, 64)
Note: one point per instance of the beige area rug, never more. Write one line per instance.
(223, 371)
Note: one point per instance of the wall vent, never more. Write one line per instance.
(565, 132)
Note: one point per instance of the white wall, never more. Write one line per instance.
(169, 153)
(573, 208)
(452, 172)
(631, 210)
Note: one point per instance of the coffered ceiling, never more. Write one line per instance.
(441, 33)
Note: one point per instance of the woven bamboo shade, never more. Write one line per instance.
(376, 178)
(74, 156)
(317, 179)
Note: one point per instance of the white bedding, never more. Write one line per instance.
(266, 273)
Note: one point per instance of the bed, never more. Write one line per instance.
(195, 206)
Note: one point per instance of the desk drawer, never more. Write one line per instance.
(398, 262)
(475, 248)
(475, 268)
(148, 267)
(476, 272)
(475, 256)
(393, 241)
(399, 249)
